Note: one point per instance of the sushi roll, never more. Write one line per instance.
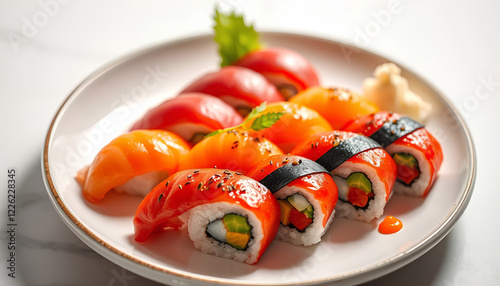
(132, 163)
(191, 116)
(236, 150)
(288, 70)
(239, 87)
(418, 155)
(337, 105)
(296, 125)
(306, 193)
(362, 170)
(227, 214)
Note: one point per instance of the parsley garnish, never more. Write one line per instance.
(264, 121)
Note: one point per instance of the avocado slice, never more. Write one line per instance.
(236, 223)
(360, 181)
(405, 159)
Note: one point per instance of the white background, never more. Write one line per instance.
(48, 47)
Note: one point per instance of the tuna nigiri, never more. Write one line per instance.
(239, 87)
(236, 150)
(306, 193)
(134, 162)
(191, 116)
(337, 105)
(229, 215)
(239, 45)
(288, 70)
(297, 124)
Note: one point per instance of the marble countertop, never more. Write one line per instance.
(49, 46)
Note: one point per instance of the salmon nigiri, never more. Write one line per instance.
(337, 105)
(296, 125)
(236, 150)
(134, 163)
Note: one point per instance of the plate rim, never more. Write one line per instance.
(384, 267)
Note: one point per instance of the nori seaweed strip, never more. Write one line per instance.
(282, 176)
(345, 150)
(395, 129)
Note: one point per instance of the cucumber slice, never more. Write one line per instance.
(298, 201)
(360, 181)
(308, 211)
(405, 159)
(236, 223)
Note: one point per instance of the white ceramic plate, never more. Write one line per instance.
(110, 100)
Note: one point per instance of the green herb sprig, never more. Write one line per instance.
(234, 37)
(261, 122)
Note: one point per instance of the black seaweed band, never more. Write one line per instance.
(285, 174)
(345, 150)
(393, 130)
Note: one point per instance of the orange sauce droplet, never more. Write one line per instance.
(390, 225)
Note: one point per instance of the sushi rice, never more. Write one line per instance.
(375, 205)
(313, 232)
(198, 220)
(420, 184)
